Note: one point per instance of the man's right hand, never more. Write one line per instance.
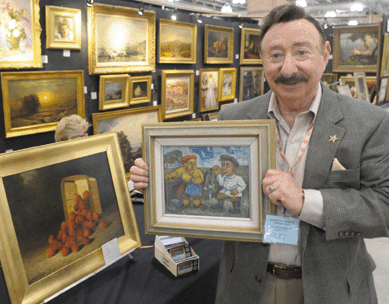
(140, 174)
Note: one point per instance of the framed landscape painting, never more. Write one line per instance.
(78, 200)
(177, 93)
(34, 102)
(120, 40)
(227, 84)
(357, 48)
(140, 89)
(177, 42)
(251, 82)
(114, 91)
(128, 126)
(20, 31)
(188, 195)
(209, 90)
(249, 47)
(218, 44)
(63, 28)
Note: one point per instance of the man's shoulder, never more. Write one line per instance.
(243, 109)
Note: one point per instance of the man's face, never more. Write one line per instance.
(228, 168)
(294, 59)
(190, 165)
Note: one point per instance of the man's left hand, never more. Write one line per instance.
(282, 189)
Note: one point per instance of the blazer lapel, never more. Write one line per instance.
(259, 109)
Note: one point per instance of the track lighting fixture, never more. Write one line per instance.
(141, 10)
(89, 2)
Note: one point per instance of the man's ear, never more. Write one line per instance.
(327, 52)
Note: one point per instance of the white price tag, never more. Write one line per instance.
(93, 95)
(66, 53)
(111, 251)
(45, 59)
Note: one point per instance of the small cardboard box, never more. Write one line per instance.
(176, 255)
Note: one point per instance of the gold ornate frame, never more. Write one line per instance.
(119, 60)
(253, 58)
(178, 139)
(123, 101)
(261, 82)
(25, 57)
(142, 99)
(385, 56)
(359, 54)
(350, 81)
(177, 27)
(25, 79)
(54, 42)
(77, 265)
(187, 76)
(223, 72)
(207, 44)
(202, 88)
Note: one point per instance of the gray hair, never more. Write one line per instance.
(71, 126)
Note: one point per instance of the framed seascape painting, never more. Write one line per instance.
(218, 44)
(120, 40)
(114, 91)
(63, 28)
(78, 200)
(20, 31)
(227, 84)
(140, 89)
(249, 47)
(177, 93)
(128, 126)
(177, 42)
(385, 56)
(251, 82)
(357, 48)
(209, 90)
(34, 102)
(189, 165)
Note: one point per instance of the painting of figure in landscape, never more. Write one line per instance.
(210, 181)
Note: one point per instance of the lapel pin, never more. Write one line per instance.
(333, 138)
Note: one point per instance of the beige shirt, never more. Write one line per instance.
(291, 139)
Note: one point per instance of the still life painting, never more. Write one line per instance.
(249, 48)
(218, 44)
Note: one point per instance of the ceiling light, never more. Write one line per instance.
(226, 8)
(330, 14)
(353, 22)
(174, 17)
(89, 2)
(238, 1)
(141, 10)
(357, 7)
(241, 25)
(301, 3)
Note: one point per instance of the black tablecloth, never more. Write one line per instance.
(143, 279)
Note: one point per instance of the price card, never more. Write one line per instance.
(280, 229)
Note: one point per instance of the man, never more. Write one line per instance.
(190, 180)
(332, 175)
(233, 185)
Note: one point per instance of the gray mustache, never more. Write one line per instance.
(291, 80)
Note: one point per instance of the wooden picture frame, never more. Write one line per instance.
(34, 102)
(249, 46)
(130, 138)
(177, 93)
(227, 84)
(20, 43)
(168, 148)
(140, 89)
(357, 48)
(114, 91)
(361, 86)
(208, 90)
(63, 28)
(177, 42)
(132, 51)
(218, 44)
(350, 81)
(385, 56)
(251, 82)
(383, 92)
(55, 178)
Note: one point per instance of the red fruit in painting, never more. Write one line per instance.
(96, 216)
(79, 218)
(78, 198)
(89, 216)
(83, 212)
(75, 248)
(68, 243)
(51, 239)
(64, 237)
(72, 215)
(65, 251)
(50, 251)
(71, 223)
(104, 224)
(86, 232)
(64, 225)
(86, 241)
(72, 231)
(82, 205)
(85, 195)
(79, 238)
(59, 245)
(91, 225)
(76, 207)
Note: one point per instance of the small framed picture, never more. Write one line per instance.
(361, 86)
(63, 28)
(251, 82)
(249, 47)
(140, 89)
(218, 44)
(383, 93)
(227, 84)
(113, 91)
(209, 90)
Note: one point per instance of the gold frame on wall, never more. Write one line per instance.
(188, 77)
(54, 42)
(24, 80)
(164, 147)
(210, 43)
(117, 60)
(177, 27)
(358, 54)
(350, 79)
(224, 71)
(142, 99)
(27, 283)
(261, 81)
(124, 101)
(254, 56)
(24, 57)
(385, 56)
(205, 87)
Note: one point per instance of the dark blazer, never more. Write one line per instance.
(335, 263)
